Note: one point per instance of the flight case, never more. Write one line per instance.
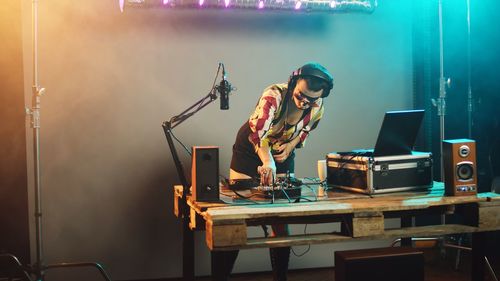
(370, 175)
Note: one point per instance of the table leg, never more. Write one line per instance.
(406, 221)
(187, 251)
(222, 264)
(478, 254)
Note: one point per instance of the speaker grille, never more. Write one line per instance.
(465, 171)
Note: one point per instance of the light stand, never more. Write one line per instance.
(187, 234)
(440, 103)
(469, 78)
(444, 83)
(38, 269)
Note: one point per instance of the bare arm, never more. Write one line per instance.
(268, 169)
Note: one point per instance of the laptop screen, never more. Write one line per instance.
(398, 133)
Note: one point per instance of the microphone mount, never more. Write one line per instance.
(199, 105)
(188, 236)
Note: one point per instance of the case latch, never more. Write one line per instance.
(384, 167)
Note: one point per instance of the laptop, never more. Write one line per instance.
(397, 134)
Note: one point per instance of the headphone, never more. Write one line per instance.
(312, 70)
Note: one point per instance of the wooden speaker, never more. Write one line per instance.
(205, 173)
(459, 164)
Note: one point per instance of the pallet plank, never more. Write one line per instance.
(489, 217)
(322, 238)
(367, 224)
(225, 235)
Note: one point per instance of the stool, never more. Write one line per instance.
(380, 264)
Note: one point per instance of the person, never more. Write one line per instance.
(265, 145)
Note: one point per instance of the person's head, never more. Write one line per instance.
(309, 83)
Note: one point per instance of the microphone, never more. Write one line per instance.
(224, 90)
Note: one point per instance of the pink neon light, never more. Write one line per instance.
(297, 5)
(227, 2)
(261, 4)
(121, 3)
(201, 2)
(165, 2)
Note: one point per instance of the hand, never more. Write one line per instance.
(267, 174)
(284, 151)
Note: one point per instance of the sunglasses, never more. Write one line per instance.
(303, 98)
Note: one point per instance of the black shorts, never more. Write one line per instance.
(245, 160)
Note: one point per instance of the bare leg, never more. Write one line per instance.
(233, 175)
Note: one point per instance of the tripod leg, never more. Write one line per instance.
(492, 272)
(82, 264)
(187, 250)
(18, 265)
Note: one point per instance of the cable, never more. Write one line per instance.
(314, 180)
(183, 116)
(315, 195)
(185, 148)
(211, 94)
(286, 194)
(305, 198)
(308, 246)
(246, 197)
(225, 182)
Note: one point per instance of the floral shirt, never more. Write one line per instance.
(271, 108)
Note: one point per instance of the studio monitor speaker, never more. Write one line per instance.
(459, 163)
(205, 173)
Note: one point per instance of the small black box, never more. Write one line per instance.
(380, 264)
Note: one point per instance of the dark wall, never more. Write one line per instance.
(486, 86)
(14, 232)
(471, 60)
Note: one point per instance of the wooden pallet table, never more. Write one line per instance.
(362, 217)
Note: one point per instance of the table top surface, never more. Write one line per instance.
(334, 202)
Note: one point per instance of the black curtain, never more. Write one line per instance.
(470, 62)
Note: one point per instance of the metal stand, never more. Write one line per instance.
(444, 83)
(38, 269)
(440, 103)
(187, 234)
(13, 259)
(469, 78)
